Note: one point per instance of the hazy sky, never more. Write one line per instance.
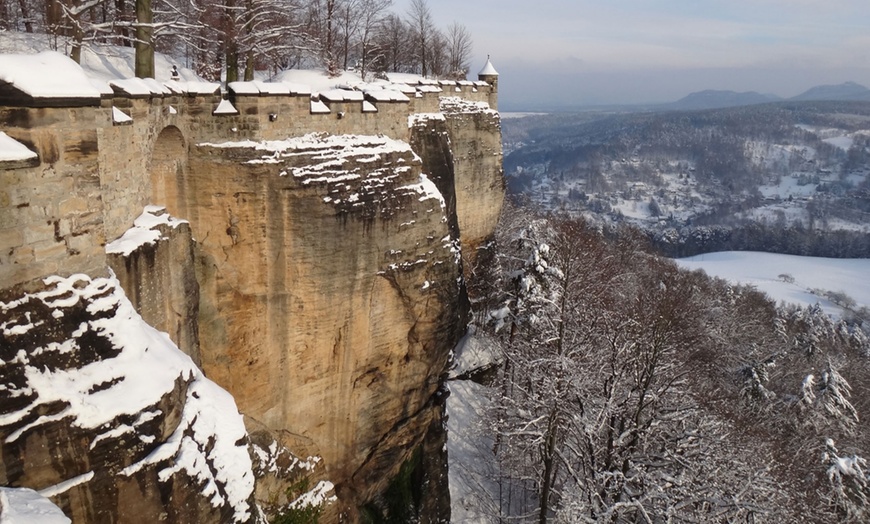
(637, 51)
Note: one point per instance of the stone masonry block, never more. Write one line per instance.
(38, 233)
(49, 250)
(10, 238)
(72, 205)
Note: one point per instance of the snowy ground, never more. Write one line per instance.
(472, 465)
(763, 270)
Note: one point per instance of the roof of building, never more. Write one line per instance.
(488, 69)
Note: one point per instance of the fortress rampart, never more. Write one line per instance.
(310, 262)
(96, 169)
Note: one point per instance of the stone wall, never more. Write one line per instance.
(93, 178)
(51, 216)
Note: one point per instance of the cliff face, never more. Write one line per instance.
(101, 413)
(318, 279)
(334, 294)
(475, 138)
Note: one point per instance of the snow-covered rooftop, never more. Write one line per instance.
(488, 69)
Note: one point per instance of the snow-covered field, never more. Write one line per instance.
(769, 272)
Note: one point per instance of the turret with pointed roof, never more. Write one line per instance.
(488, 69)
(489, 75)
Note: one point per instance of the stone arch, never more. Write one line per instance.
(168, 167)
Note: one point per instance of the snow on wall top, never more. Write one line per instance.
(193, 87)
(12, 150)
(140, 87)
(145, 231)
(122, 367)
(269, 88)
(455, 104)
(387, 95)
(342, 95)
(46, 75)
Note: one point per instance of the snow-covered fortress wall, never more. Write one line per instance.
(94, 169)
(302, 248)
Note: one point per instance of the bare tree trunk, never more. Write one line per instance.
(76, 46)
(121, 15)
(249, 66)
(231, 49)
(144, 39)
(25, 14)
(247, 29)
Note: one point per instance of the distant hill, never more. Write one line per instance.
(715, 99)
(845, 91)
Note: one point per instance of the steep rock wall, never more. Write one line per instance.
(327, 301)
(101, 413)
(154, 263)
(331, 295)
(475, 137)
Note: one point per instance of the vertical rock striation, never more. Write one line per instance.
(475, 137)
(332, 294)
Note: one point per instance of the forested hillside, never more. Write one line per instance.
(633, 391)
(776, 174)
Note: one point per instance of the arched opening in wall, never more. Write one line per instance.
(168, 165)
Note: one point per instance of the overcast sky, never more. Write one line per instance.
(581, 52)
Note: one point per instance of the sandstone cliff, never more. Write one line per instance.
(101, 412)
(334, 294)
(317, 279)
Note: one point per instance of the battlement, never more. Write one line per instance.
(80, 159)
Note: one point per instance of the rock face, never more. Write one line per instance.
(475, 138)
(154, 262)
(334, 294)
(104, 415)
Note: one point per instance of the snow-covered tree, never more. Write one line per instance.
(849, 484)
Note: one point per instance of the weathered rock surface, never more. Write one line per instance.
(154, 262)
(323, 289)
(332, 294)
(102, 414)
(475, 137)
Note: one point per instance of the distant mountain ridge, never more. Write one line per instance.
(844, 91)
(714, 99)
(717, 99)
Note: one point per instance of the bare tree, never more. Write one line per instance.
(422, 31)
(371, 19)
(391, 42)
(459, 48)
(597, 416)
(324, 27)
